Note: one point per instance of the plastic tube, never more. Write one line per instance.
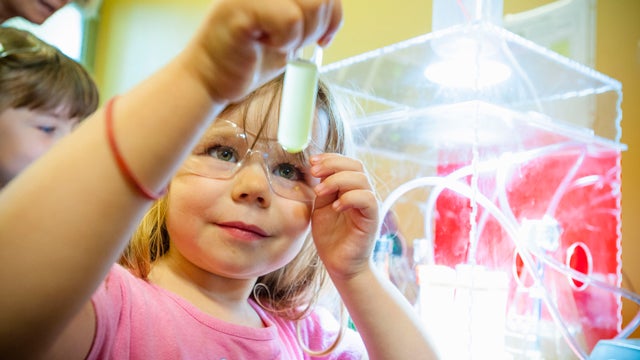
(557, 196)
(509, 227)
(489, 165)
(561, 190)
(566, 270)
(509, 223)
(564, 187)
(298, 103)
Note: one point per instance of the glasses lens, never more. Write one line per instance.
(224, 150)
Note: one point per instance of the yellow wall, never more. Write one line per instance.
(618, 55)
(137, 37)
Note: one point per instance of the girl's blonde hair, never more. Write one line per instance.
(290, 291)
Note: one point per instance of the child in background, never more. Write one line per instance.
(43, 95)
(227, 263)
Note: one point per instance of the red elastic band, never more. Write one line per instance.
(124, 168)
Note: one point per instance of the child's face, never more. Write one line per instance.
(240, 221)
(27, 134)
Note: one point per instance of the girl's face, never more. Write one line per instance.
(27, 134)
(235, 213)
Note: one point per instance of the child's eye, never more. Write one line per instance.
(223, 153)
(289, 172)
(47, 129)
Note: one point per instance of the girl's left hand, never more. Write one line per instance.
(345, 217)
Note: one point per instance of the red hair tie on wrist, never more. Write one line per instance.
(122, 165)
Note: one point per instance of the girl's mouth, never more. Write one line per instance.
(240, 230)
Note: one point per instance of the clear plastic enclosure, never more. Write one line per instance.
(498, 164)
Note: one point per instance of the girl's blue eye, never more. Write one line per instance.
(289, 172)
(47, 129)
(223, 153)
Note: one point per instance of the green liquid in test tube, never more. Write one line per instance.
(298, 103)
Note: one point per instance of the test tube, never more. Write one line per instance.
(298, 102)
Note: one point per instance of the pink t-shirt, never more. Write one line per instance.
(139, 320)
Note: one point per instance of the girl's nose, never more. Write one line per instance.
(251, 184)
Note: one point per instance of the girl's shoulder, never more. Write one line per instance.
(136, 319)
(129, 309)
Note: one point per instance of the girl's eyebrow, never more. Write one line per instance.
(255, 135)
(242, 130)
(220, 135)
(263, 138)
(220, 131)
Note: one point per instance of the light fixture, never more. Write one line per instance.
(467, 73)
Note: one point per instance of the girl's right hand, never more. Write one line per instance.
(244, 43)
(345, 216)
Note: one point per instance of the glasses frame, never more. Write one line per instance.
(276, 184)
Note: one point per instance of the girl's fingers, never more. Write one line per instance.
(324, 165)
(361, 200)
(246, 42)
(339, 175)
(312, 20)
(346, 190)
(342, 182)
(323, 19)
(280, 25)
(335, 22)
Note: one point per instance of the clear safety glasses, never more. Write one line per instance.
(226, 148)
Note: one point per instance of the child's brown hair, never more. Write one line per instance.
(38, 76)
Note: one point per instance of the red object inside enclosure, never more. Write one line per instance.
(577, 187)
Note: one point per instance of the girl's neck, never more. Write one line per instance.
(223, 298)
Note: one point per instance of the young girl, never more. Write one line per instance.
(43, 96)
(232, 238)
(227, 263)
